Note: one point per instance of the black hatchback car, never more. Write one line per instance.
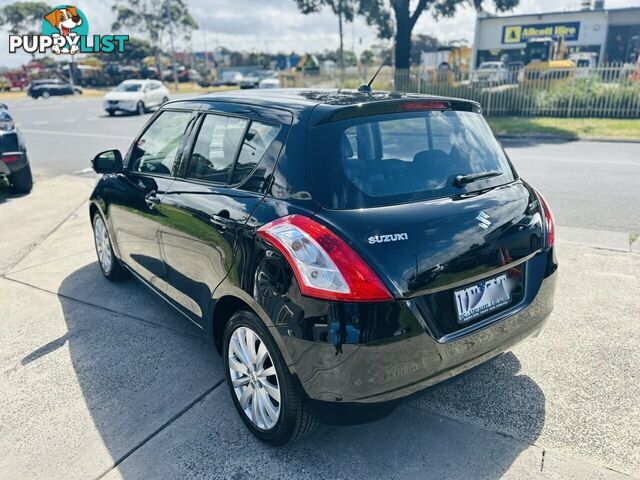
(341, 250)
(14, 162)
(51, 87)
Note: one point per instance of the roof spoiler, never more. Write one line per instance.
(386, 107)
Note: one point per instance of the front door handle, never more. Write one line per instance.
(151, 199)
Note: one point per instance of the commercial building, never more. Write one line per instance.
(612, 34)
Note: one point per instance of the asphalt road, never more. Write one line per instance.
(588, 184)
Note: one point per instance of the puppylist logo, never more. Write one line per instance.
(65, 30)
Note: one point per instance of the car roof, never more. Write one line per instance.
(300, 99)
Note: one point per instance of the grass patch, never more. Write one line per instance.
(623, 129)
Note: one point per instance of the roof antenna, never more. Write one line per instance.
(366, 87)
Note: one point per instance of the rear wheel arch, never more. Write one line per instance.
(223, 310)
(230, 301)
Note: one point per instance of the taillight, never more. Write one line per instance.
(550, 222)
(324, 265)
(10, 157)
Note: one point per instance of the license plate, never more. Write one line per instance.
(483, 297)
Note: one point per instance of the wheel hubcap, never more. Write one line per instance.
(254, 378)
(102, 244)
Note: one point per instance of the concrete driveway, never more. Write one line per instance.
(103, 380)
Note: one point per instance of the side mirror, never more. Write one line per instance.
(109, 161)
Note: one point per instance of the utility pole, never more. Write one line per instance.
(341, 53)
(206, 53)
(173, 53)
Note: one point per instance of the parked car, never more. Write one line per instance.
(250, 80)
(271, 82)
(514, 70)
(50, 87)
(585, 63)
(5, 84)
(183, 75)
(341, 250)
(492, 73)
(135, 96)
(14, 163)
(253, 79)
(230, 78)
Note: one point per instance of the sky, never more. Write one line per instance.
(277, 26)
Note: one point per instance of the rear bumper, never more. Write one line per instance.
(391, 369)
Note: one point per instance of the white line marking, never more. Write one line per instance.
(41, 122)
(78, 134)
(83, 171)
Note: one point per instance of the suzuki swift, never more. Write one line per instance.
(341, 249)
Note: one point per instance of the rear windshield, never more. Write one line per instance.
(399, 158)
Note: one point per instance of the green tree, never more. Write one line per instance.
(156, 19)
(422, 43)
(137, 50)
(344, 9)
(396, 18)
(24, 18)
(366, 58)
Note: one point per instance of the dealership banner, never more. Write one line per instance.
(523, 33)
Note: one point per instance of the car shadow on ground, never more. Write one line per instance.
(6, 194)
(136, 376)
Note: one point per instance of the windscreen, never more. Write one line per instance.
(398, 158)
(129, 87)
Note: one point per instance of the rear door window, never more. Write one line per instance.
(257, 140)
(216, 148)
(228, 149)
(398, 158)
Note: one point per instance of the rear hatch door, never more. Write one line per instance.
(430, 200)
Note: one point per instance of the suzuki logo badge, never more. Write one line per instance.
(483, 220)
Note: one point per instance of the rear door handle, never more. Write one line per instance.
(151, 199)
(221, 220)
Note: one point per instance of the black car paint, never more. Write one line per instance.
(12, 141)
(211, 259)
(52, 88)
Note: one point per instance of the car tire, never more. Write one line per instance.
(111, 112)
(109, 264)
(21, 181)
(164, 100)
(141, 109)
(293, 419)
(45, 95)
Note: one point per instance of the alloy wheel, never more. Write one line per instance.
(103, 246)
(254, 378)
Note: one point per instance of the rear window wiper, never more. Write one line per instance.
(462, 180)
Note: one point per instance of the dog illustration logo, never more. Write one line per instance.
(65, 19)
(65, 30)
